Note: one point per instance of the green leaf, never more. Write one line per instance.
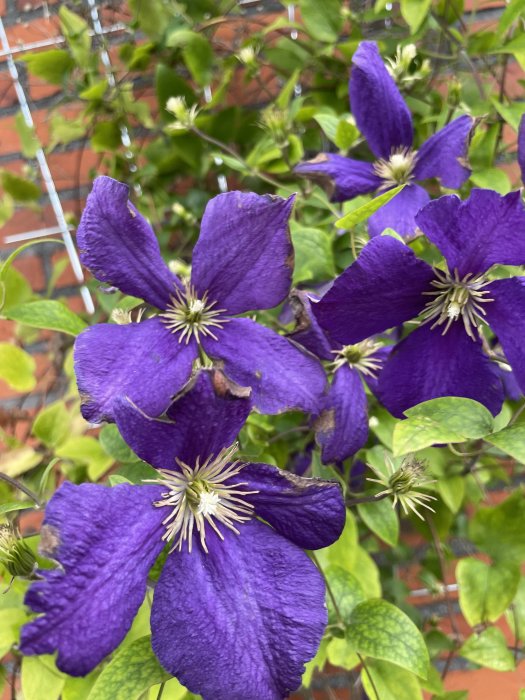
(452, 491)
(95, 92)
(53, 424)
(17, 368)
(447, 419)
(511, 113)
(340, 652)
(20, 189)
(15, 289)
(52, 66)
(85, 450)
(492, 178)
(79, 688)
(106, 137)
(414, 12)
(113, 443)
(132, 671)
(514, 10)
(345, 135)
(498, 530)
(343, 552)
(390, 681)
(516, 615)
(19, 461)
(364, 212)
(11, 619)
(314, 258)
(380, 630)
(49, 314)
(168, 83)
(485, 590)
(64, 130)
(489, 648)
(510, 440)
(76, 31)
(28, 138)
(11, 506)
(346, 590)
(197, 53)
(41, 678)
(323, 20)
(366, 572)
(382, 519)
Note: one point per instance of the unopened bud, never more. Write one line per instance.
(246, 55)
(184, 116)
(15, 555)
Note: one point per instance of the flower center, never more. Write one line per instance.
(398, 169)
(203, 494)
(455, 299)
(360, 356)
(190, 316)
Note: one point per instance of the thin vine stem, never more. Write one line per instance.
(18, 485)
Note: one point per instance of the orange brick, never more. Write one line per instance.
(67, 278)
(26, 5)
(484, 684)
(39, 89)
(23, 33)
(7, 91)
(74, 168)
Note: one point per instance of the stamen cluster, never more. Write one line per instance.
(360, 356)
(191, 316)
(398, 169)
(403, 484)
(457, 298)
(202, 494)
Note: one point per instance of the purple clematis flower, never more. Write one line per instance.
(521, 147)
(388, 285)
(242, 261)
(239, 607)
(341, 419)
(385, 121)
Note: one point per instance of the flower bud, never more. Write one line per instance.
(184, 116)
(15, 555)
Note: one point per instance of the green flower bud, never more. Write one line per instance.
(15, 555)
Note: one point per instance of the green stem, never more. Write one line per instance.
(18, 485)
(366, 499)
(369, 675)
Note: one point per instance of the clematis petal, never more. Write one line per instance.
(377, 105)
(307, 331)
(427, 365)
(308, 512)
(381, 289)
(106, 540)
(521, 147)
(143, 361)
(506, 317)
(118, 246)
(399, 213)
(244, 255)
(444, 154)
(282, 375)
(346, 178)
(485, 230)
(241, 621)
(206, 418)
(342, 425)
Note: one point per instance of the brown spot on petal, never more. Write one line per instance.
(226, 388)
(325, 423)
(297, 301)
(49, 541)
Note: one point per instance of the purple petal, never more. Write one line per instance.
(203, 421)
(282, 376)
(399, 213)
(241, 621)
(347, 178)
(244, 255)
(308, 512)
(106, 540)
(381, 289)
(342, 425)
(427, 365)
(444, 154)
(377, 105)
(521, 147)
(506, 317)
(485, 230)
(143, 361)
(307, 331)
(118, 246)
